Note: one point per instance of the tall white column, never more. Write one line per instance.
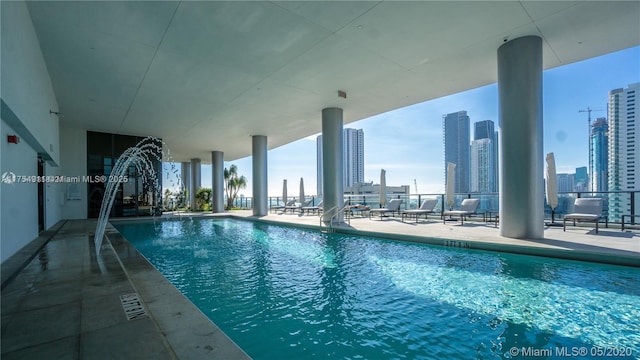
(332, 166)
(521, 138)
(217, 180)
(195, 181)
(185, 178)
(259, 162)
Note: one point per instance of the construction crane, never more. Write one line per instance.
(590, 175)
(415, 183)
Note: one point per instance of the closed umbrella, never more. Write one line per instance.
(451, 185)
(552, 186)
(284, 192)
(383, 188)
(301, 190)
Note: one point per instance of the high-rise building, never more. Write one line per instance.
(566, 182)
(624, 149)
(455, 130)
(582, 179)
(599, 154)
(482, 166)
(484, 158)
(352, 158)
(483, 130)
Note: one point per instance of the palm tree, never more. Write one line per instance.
(232, 184)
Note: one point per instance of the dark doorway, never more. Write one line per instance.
(132, 198)
(40, 195)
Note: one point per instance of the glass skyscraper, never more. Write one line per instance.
(599, 146)
(455, 130)
(582, 179)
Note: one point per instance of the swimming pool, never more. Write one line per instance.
(282, 292)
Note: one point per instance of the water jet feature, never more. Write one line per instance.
(145, 156)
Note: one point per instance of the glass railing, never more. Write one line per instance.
(615, 203)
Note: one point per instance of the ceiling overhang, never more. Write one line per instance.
(207, 75)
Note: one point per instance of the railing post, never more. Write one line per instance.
(632, 194)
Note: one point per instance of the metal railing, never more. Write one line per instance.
(334, 214)
(615, 203)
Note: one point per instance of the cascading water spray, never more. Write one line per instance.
(143, 156)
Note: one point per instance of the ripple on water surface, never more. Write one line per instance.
(289, 293)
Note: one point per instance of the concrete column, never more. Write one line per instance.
(521, 156)
(217, 180)
(185, 178)
(259, 158)
(195, 181)
(332, 166)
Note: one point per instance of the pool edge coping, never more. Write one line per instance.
(159, 294)
(567, 254)
(618, 259)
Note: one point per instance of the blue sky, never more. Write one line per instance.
(407, 142)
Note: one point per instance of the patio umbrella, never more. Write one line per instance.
(301, 190)
(383, 188)
(552, 186)
(284, 192)
(451, 185)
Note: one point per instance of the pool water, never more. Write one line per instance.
(289, 293)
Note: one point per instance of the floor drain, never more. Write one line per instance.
(132, 306)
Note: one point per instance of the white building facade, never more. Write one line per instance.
(624, 150)
(483, 166)
(353, 158)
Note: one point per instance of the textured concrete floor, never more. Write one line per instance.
(65, 304)
(610, 245)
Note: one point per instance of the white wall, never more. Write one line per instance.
(27, 97)
(73, 162)
(25, 84)
(19, 205)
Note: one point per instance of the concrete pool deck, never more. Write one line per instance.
(60, 301)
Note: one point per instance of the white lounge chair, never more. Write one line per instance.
(393, 207)
(283, 207)
(586, 209)
(425, 209)
(312, 209)
(297, 206)
(468, 207)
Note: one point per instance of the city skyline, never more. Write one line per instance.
(407, 142)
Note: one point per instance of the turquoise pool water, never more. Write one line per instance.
(289, 293)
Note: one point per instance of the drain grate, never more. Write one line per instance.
(132, 306)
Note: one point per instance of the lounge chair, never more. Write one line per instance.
(283, 207)
(425, 209)
(393, 207)
(360, 209)
(311, 209)
(297, 206)
(586, 209)
(468, 207)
